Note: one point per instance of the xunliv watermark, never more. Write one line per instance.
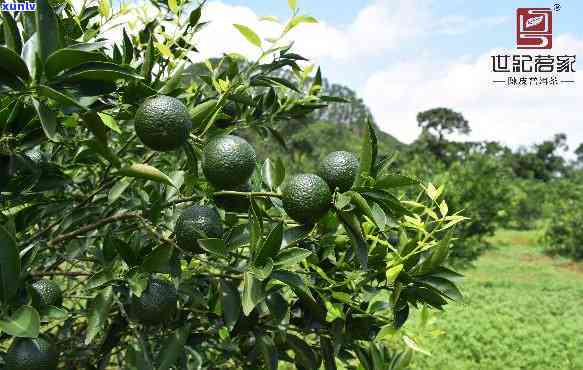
(18, 7)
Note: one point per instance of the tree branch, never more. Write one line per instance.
(85, 229)
(247, 194)
(59, 273)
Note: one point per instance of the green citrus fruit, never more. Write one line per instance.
(228, 161)
(234, 203)
(162, 123)
(306, 198)
(46, 293)
(156, 305)
(197, 222)
(31, 354)
(339, 169)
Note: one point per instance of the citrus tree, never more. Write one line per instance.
(140, 230)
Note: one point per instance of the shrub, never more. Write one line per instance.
(564, 232)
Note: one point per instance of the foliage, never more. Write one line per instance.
(543, 161)
(480, 186)
(564, 233)
(514, 313)
(527, 203)
(91, 208)
(437, 122)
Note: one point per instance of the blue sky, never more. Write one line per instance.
(404, 56)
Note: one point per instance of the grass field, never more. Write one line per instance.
(522, 310)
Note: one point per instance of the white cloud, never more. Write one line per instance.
(515, 116)
(382, 26)
(457, 25)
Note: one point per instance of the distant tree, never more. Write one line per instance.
(435, 124)
(543, 161)
(579, 154)
(442, 121)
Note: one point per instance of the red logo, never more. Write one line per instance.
(534, 28)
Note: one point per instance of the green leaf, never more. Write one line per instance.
(24, 323)
(104, 151)
(100, 279)
(164, 50)
(293, 4)
(368, 153)
(55, 313)
(304, 354)
(11, 62)
(11, 34)
(394, 181)
(291, 256)
(393, 273)
(98, 312)
(354, 231)
(270, 246)
(145, 171)
(100, 71)
(110, 122)
(440, 251)
(380, 217)
(269, 18)
(273, 172)
(48, 119)
(297, 20)
(426, 295)
(173, 5)
(387, 201)
(411, 344)
(268, 352)
(362, 205)
(149, 59)
(47, 29)
(128, 48)
(9, 265)
(263, 271)
(158, 260)
(255, 225)
(173, 347)
(178, 178)
(278, 306)
(328, 353)
(249, 34)
(445, 273)
(104, 8)
(294, 281)
(293, 235)
(63, 99)
(30, 56)
(95, 124)
(253, 293)
(138, 283)
(117, 189)
(214, 246)
(194, 16)
(444, 286)
(231, 302)
(68, 58)
(174, 81)
(317, 84)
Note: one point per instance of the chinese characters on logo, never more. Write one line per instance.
(534, 28)
(540, 70)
